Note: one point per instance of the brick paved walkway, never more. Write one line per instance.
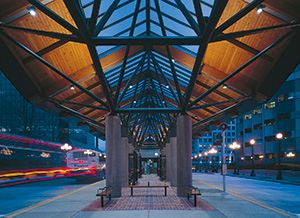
(149, 199)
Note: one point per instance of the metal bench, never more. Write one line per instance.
(154, 186)
(106, 191)
(191, 190)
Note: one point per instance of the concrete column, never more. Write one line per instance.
(184, 153)
(113, 163)
(168, 162)
(173, 149)
(124, 156)
(124, 161)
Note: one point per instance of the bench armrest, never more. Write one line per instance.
(196, 189)
(101, 190)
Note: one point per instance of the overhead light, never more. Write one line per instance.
(72, 87)
(134, 101)
(225, 86)
(167, 87)
(260, 9)
(173, 60)
(31, 11)
(130, 86)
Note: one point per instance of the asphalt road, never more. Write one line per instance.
(17, 197)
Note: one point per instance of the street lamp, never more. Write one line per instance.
(212, 152)
(66, 147)
(252, 142)
(234, 146)
(279, 136)
(206, 164)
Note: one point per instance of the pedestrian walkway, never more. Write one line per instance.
(149, 199)
(150, 203)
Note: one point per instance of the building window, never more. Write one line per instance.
(233, 133)
(248, 117)
(270, 138)
(248, 130)
(247, 144)
(257, 126)
(280, 98)
(269, 122)
(205, 140)
(257, 111)
(269, 105)
(200, 146)
(233, 127)
(241, 133)
(270, 156)
(283, 116)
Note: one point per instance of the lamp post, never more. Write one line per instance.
(200, 162)
(234, 146)
(206, 164)
(279, 137)
(212, 152)
(252, 142)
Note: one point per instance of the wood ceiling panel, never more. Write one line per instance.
(41, 22)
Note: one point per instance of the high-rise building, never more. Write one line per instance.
(279, 115)
(17, 116)
(203, 155)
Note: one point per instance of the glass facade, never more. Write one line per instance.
(19, 117)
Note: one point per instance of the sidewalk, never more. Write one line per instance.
(83, 203)
(288, 177)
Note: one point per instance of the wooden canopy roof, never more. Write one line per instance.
(148, 61)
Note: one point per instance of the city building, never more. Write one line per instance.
(22, 118)
(281, 114)
(207, 150)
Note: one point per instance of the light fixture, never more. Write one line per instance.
(88, 152)
(66, 147)
(212, 151)
(290, 154)
(134, 101)
(279, 135)
(225, 86)
(173, 60)
(31, 11)
(167, 87)
(252, 141)
(130, 86)
(261, 156)
(260, 9)
(72, 87)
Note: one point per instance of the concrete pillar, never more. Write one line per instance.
(113, 163)
(124, 161)
(184, 153)
(173, 149)
(124, 156)
(168, 162)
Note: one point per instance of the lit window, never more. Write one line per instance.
(248, 116)
(269, 105)
(257, 111)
